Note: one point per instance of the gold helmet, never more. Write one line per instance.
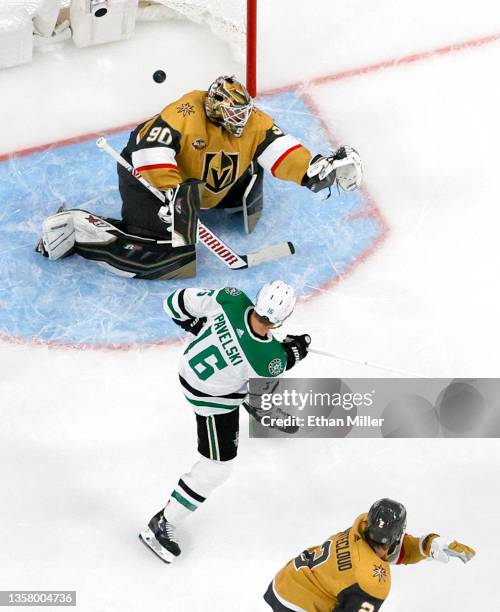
(228, 104)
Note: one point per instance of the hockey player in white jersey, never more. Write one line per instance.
(233, 343)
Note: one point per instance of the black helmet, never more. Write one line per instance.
(386, 522)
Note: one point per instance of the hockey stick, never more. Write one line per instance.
(365, 363)
(212, 242)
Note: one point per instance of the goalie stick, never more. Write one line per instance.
(212, 242)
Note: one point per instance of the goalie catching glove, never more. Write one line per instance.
(344, 166)
(296, 348)
(443, 549)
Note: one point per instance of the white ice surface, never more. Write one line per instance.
(91, 442)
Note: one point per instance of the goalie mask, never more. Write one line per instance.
(228, 104)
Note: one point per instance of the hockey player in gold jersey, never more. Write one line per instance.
(350, 572)
(217, 137)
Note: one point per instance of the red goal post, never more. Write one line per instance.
(251, 58)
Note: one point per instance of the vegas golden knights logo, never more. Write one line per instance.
(220, 170)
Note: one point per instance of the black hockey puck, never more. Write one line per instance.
(159, 76)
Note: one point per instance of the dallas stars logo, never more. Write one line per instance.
(379, 572)
(232, 291)
(275, 367)
(185, 109)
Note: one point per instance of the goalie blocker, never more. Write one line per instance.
(125, 249)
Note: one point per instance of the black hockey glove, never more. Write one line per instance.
(296, 348)
(193, 326)
(344, 165)
(320, 174)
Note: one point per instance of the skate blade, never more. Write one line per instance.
(148, 539)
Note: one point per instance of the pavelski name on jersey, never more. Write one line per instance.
(227, 341)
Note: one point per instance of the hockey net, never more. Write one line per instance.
(226, 18)
(234, 21)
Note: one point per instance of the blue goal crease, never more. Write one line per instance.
(75, 301)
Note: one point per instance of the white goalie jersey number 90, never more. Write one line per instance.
(161, 135)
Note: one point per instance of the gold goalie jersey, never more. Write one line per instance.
(343, 574)
(182, 143)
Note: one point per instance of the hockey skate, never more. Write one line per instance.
(159, 536)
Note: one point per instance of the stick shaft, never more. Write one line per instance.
(365, 363)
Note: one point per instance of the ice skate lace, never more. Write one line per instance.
(169, 530)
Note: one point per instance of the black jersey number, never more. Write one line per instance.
(161, 135)
(367, 607)
(313, 559)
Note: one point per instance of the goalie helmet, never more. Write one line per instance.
(276, 301)
(228, 104)
(386, 522)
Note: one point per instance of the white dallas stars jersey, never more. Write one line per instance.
(217, 364)
(181, 143)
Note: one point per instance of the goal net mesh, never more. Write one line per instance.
(226, 18)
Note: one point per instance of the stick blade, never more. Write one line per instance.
(275, 251)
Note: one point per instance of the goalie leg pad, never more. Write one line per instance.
(253, 200)
(124, 254)
(186, 206)
(247, 196)
(130, 255)
(58, 235)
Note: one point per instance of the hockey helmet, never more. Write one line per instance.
(386, 522)
(228, 104)
(276, 301)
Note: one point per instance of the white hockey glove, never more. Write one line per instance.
(344, 165)
(165, 212)
(442, 549)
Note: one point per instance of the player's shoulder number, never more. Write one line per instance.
(313, 559)
(161, 135)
